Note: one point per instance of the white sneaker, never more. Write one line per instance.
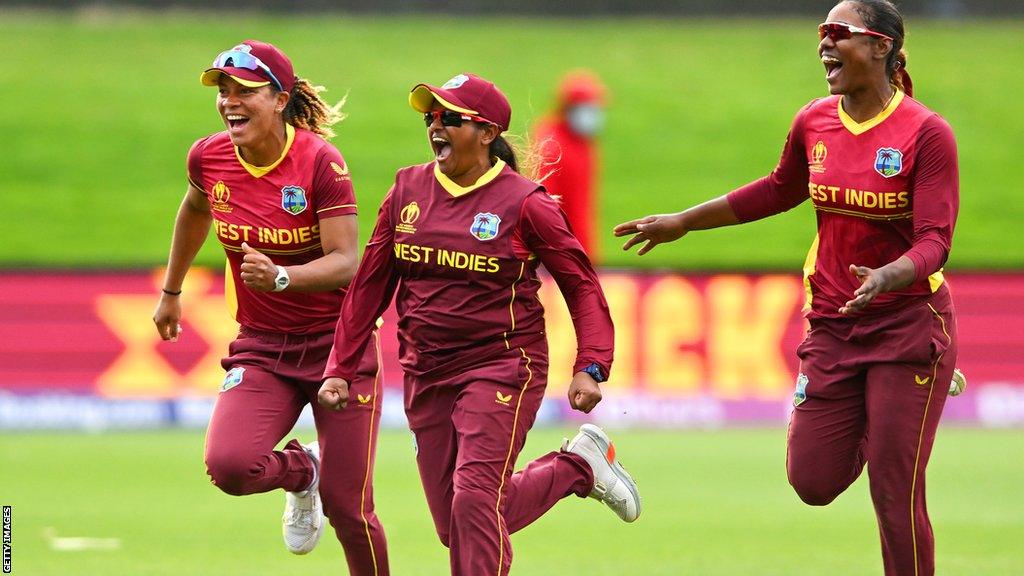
(303, 521)
(612, 484)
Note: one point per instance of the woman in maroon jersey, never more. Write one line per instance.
(881, 171)
(460, 239)
(281, 202)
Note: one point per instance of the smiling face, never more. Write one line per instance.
(250, 114)
(461, 150)
(856, 63)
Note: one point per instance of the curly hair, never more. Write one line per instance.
(306, 109)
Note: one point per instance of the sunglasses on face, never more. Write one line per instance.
(450, 118)
(837, 31)
(239, 59)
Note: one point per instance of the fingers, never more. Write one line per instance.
(586, 400)
(333, 394)
(249, 249)
(631, 227)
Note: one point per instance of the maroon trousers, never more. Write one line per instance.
(271, 377)
(470, 427)
(871, 391)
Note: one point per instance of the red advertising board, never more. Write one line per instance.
(690, 349)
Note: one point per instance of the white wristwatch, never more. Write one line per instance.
(282, 281)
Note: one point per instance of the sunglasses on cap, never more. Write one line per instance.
(450, 118)
(239, 59)
(837, 31)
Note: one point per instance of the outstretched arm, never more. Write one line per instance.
(661, 228)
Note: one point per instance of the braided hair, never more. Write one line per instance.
(306, 109)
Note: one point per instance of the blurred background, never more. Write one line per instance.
(101, 424)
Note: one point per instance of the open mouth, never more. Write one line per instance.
(832, 66)
(236, 122)
(442, 147)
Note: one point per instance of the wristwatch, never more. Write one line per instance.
(282, 281)
(595, 372)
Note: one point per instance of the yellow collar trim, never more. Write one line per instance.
(261, 171)
(858, 128)
(456, 190)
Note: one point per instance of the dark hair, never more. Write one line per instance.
(306, 109)
(503, 150)
(882, 16)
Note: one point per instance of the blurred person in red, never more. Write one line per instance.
(567, 143)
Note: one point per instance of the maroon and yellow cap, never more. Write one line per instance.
(468, 94)
(252, 63)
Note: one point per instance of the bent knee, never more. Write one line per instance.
(230, 473)
(814, 491)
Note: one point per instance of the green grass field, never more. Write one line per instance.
(716, 503)
(100, 109)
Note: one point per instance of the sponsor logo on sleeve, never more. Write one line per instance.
(293, 199)
(800, 394)
(485, 226)
(220, 194)
(888, 162)
(233, 378)
(341, 170)
(818, 154)
(408, 216)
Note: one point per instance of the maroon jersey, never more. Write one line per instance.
(464, 263)
(277, 210)
(881, 189)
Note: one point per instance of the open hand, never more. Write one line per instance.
(652, 230)
(872, 284)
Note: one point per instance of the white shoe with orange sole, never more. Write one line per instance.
(612, 484)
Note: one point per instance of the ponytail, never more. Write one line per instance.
(900, 77)
(501, 149)
(306, 109)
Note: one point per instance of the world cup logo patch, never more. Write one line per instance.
(888, 162)
(293, 199)
(485, 226)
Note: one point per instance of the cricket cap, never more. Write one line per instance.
(252, 63)
(468, 94)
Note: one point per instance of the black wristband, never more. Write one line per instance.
(166, 291)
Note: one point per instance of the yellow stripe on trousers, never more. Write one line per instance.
(508, 457)
(369, 450)
(920, 440)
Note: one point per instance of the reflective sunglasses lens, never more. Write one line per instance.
(450, 118)
(235, 59)
(834, 31)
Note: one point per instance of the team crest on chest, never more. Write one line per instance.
(485, 226)
(293, 199)
(888, 162)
